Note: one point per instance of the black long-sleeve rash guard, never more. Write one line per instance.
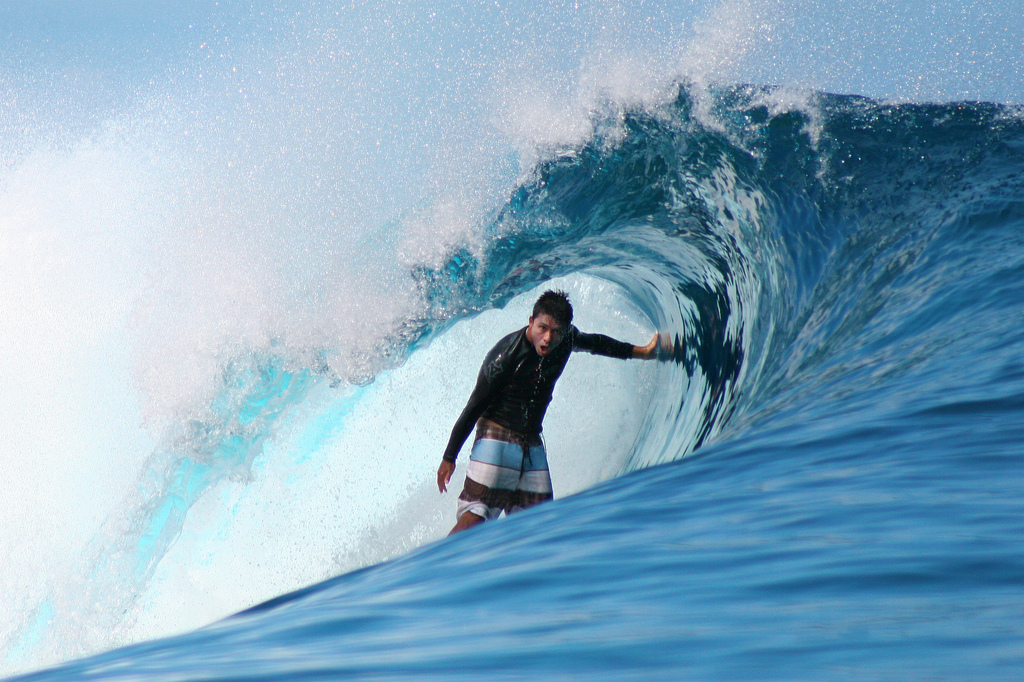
(515, 383)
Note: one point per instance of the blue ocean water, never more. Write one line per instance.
(819, 479)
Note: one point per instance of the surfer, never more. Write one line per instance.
(508, 468)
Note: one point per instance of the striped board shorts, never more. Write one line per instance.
(507, 472)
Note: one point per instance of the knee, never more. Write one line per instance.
(467, 520)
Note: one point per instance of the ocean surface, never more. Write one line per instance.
(243, 313)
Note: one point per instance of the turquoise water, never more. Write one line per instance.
(821, 477)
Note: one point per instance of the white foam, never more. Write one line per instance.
(71, 442)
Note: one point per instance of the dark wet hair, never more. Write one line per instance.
(556, 304)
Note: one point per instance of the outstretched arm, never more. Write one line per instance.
(599, 344)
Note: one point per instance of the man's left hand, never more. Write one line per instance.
(649, 351)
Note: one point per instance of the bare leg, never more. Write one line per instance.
(467, 520)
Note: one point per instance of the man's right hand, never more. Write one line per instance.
(444, 474)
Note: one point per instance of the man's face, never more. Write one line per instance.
(544, 332)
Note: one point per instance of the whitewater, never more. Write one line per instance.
(251, 259)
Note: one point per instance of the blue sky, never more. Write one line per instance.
(914, 49)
